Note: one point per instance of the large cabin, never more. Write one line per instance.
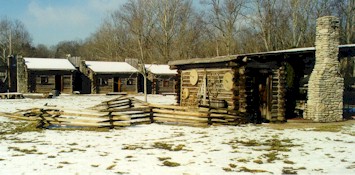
(253, 86)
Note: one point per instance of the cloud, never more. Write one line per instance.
(58, 15)
(52, 21)
(104, 6)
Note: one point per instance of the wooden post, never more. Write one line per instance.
(151, 115)
(111, 120)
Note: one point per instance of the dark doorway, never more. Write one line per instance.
(58, 83)
(260, 84)
(117, 84)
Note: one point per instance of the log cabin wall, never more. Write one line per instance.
(192, 94)
(103, 84)
(163, 84)
(45, 82)
(278, 95)
(178, 86)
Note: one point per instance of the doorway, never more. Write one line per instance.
(260, 84)
(58, 83)
(117, 85)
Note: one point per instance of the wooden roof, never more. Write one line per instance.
(221, 59)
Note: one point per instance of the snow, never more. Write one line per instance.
(48, 64)
(132, 150)
(160, 69)
(110, 67)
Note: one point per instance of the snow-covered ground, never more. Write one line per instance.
(165, 149)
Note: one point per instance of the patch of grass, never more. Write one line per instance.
(110, 167)
(243, 160)
(343, 160)
(2, 159)
(170, 163)
(129, 157)
(65, 162)
(26, 151)
(232, 165)
(95, 166)
(164, 158)
(227, 169)
(167, 146)
(328, 128)
(51, 157)
(132, 147)
(271, 156)
(21, 127)
(245, 169)
(288, 170)
(72, 144)
(258, 161)
(289, 162)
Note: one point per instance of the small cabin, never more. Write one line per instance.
(253, 86)
(43, 75)
(161, 78)
(107, 77)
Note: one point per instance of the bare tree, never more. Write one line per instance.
(224, 15)
(300, 17)
(14, 39)
(346, 13)
(139, 16)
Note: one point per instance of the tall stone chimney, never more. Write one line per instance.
(22, 81)
(326, 86)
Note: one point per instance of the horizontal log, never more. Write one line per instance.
(168, 107)
(214, 120)
(136, 108)
(140, 120)
(126, 101)
(181, 118)
(120, 105)
(118, 118)
(184, 124)
(163, 119)
(223, 116)
(178, 113)
(83, 124)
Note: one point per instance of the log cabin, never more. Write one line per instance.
(43, 75)
(161, 79)
(107, 77)
(251, 86)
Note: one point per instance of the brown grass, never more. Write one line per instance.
(330, 127)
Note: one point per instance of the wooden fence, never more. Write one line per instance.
(124, 111)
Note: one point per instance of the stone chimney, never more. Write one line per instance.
(326, 86)
(22, 76)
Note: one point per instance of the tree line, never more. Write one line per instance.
(157, 31)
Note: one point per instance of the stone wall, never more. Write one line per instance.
(326, 86)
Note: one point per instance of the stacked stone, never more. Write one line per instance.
(325, 86)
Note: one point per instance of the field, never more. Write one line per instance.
(290, 148)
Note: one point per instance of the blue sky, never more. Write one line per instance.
(52, 21)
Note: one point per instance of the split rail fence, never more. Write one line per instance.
(126, 111)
